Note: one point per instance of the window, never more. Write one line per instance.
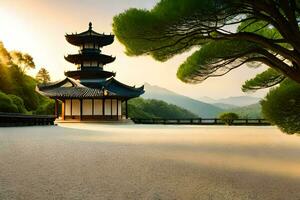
(90, 63)
(87, 63)
(94, 63)
(89, 46)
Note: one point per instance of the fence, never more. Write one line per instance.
(203, 121)
(14, 119)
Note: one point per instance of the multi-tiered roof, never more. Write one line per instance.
(90, 79)
(89, 60)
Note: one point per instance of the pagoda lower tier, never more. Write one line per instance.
(101, 100)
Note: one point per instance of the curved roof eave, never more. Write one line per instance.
(77, 58)
(102, 40)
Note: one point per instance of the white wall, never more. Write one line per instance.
(98, 107)
(87, 107)
(67, 107)
(107, 107)
(114, 107)
(120, 107)
(75, 107)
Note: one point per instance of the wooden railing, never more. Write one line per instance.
(15, 119)
(203, 121)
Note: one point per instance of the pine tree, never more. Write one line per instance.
(43, 76)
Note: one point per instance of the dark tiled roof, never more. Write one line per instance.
(121, 89)
(73, 92)
(69, 88)
(79, 58)
(90, 36)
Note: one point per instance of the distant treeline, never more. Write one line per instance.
(248, 112)
(150, 108)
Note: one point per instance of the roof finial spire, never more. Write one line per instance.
(90, 26)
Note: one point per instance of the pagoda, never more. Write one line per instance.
(90, 92)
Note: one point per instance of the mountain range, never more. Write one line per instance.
(205, 107)
(235, 101)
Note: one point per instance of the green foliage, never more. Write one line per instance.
(146, 32)
(141, 108)
(18, 102)
(254, 25)
(24, 87)
(21, 88)
(14, 81)
(23, 60)
(5, 80)
(228, 118)
(249, 112)
(228, 33)
(281, 107)
(42, 76)
(7, 104)
(4, 71)
(207, 60)
(46, 107)
(266, 79)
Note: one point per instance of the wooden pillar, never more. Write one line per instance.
(56, 109)
(117, 109)
(126, 107)
(111, 109)
(80, 109)
(93, 107)
(63, 109)
(71, 109)
(103, 108)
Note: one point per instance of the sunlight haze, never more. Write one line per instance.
(38, 27)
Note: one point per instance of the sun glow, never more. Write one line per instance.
(38, 28)
(16, 34)
(16, 37)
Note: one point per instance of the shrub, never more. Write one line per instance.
(6, 104)
(228, 118)
(281, 107)
(18, 102)
(46, 107)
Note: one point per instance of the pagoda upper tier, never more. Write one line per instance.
(91, 58)
(90, 44)
(90, 37)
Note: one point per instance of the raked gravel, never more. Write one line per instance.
(106, 161)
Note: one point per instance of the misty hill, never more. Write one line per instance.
(240, 101)
(225, 106)
(151, 108)
(250, 111)
(237, 101)
(197, 107)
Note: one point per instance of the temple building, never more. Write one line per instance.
(90, 92)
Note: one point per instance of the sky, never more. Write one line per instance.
(38, 27)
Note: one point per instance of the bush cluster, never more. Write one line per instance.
(281, 106)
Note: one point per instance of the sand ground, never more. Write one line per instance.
(93, 161)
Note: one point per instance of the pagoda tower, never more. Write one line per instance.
(90, 92)
(89, 60)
